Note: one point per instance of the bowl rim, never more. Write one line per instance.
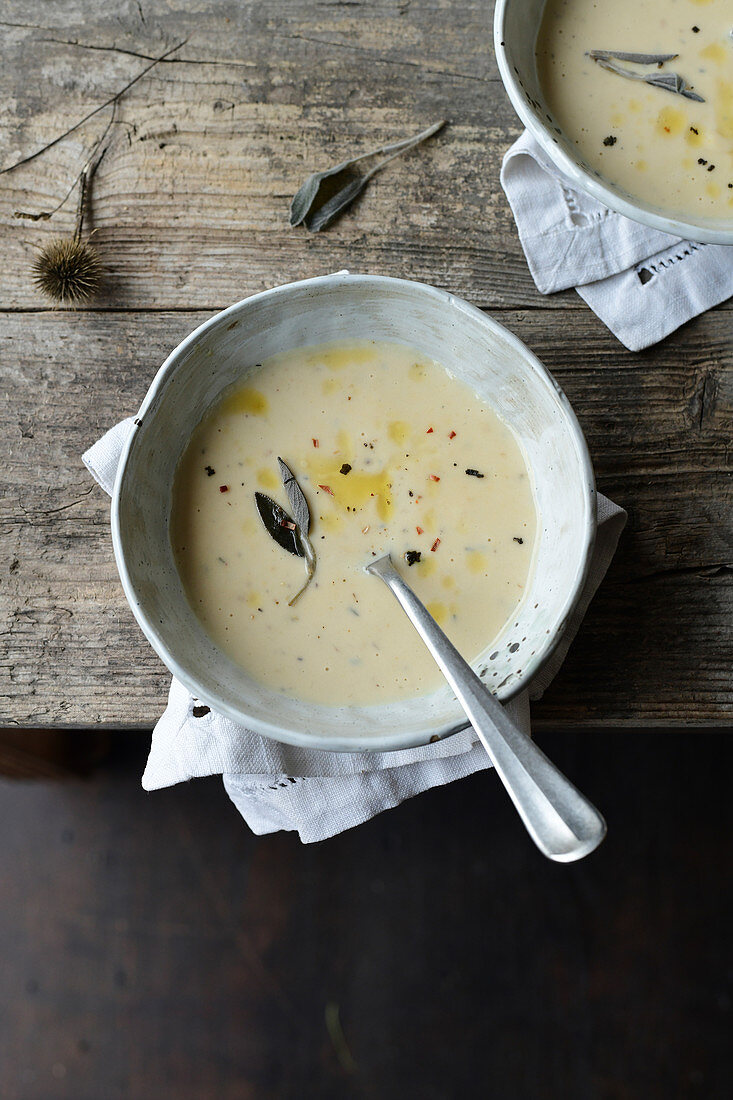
(360, 742)
(637, 210)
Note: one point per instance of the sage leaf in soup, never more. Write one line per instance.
(301, 511)
(278, 524)
(291, 534)
(325, 195)
(671, 82)
(296, 496)
(635, 58)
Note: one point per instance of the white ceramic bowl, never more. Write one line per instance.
(516, 23)
(471, 345)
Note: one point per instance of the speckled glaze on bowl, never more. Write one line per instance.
(471, 345)
(516, 24)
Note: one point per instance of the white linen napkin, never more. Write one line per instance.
(643, 284)
(321, 793)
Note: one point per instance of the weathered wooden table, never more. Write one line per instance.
(190, 210)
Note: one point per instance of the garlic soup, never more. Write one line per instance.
(393, 455)
(672, 149)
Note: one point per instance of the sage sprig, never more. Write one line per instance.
(670, 82)
(296, 496)
(302, 515)
(325, 195)
(635, 58)
(289, 533)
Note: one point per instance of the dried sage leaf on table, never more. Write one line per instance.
(325, 195)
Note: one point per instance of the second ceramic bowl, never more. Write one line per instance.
(516, 23)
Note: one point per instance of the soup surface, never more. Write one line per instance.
(668, 150)
(393, 454)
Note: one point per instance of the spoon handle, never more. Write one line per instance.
(564, 825)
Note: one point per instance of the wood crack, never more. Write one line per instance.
(113, 100)
(146, 56)
(31, 517)
(24, 26)
(707, 398)
(206, 307)
(711, 571)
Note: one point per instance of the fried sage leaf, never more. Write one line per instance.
(296, 496)
(278, 524)
(671, 82)
(635, 58)
(301, 511)
(291, 534)
(325, 195)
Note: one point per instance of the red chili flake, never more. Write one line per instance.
(315, 442)
(223, 488)
(326, 489)
(428, 431)
(419, 530)
(287, 523)
(452, 435)
(434, 477)
(435, 545)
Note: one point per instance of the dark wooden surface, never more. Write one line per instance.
(190, 212)
(151, 947)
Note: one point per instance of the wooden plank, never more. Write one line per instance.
(655, 648)
(190, 207)
(190, 203)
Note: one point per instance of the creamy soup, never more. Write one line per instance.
(668, 150)
(393, 454)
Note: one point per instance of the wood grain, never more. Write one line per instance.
(191, 201)
(190, 204)
(655, 647)
(190, 211)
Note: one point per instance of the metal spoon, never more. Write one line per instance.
(564, 825)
